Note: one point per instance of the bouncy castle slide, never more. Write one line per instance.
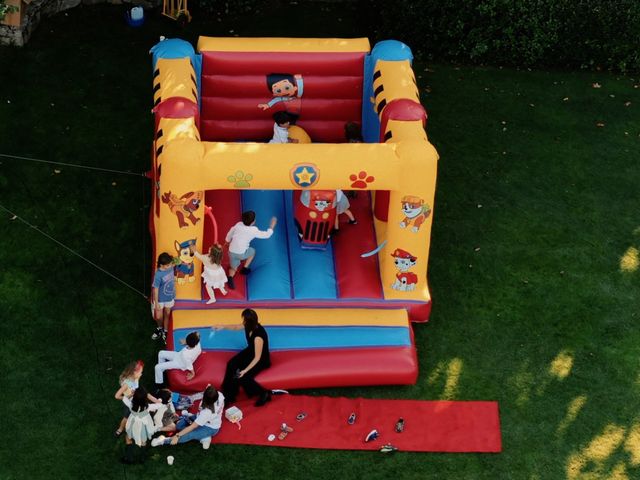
(338, 316)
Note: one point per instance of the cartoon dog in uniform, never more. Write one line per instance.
(184, 206)
(184, 270)
(405, 280)
(415, 212)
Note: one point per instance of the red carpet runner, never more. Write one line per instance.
(430, 426)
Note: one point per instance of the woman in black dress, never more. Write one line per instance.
(243, 367)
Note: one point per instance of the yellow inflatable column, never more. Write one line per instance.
(182, 212)
(405, 258)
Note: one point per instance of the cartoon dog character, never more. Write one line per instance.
(415, 212)
(184, 206)
(321, 205)
(405, 280)
(184, 269)
(322, 200)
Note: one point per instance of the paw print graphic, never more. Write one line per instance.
(361, 180)
(240, 179)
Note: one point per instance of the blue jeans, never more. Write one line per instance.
(197, 433)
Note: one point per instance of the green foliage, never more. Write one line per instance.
(598, 34)
(232, 7)
(6, 9)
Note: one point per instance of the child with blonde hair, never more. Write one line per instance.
(213, 274)
(129, 382)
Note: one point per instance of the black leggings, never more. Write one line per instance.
(231, 385)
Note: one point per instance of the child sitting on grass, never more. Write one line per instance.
(165, 417)
(199, 427)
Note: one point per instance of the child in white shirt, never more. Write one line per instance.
(199, 427)
(182, 360)
(239, 239)
(281, 128)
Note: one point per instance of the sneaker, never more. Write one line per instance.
(156, 442)
(388, 448)
(157, 334)
(206, 443)
(352, 418)
(353, 222)
(231, 283)
(245, 271)
(164, 337)
(279, 391)
(400, 425)
(372, 435)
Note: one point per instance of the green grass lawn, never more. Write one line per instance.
(534, 265)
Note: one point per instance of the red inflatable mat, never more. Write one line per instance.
(429, 426)
(293, 369)
(357, 277)
(227, 209)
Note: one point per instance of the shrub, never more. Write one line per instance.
(574, 33)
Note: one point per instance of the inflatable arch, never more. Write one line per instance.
(213, 117)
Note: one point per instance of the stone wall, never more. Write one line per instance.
(34, 10)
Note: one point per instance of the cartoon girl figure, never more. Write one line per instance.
(286, 90)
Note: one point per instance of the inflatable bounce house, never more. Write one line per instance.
(338, 307)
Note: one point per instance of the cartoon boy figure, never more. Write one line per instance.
(286, 90)
(405, 280)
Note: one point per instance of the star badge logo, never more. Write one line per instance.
(304, 175)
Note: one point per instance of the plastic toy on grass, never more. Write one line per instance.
(135, 17)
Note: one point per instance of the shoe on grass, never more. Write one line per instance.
(206, 443)
(157, 334)
(156, 442)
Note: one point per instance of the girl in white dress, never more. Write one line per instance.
(140, 426)
(213, 274)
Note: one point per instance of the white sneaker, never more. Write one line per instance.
(206, 443)
(210, 301)
(156, 442)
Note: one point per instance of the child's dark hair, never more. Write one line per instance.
(209, 398)
(273, 78)
(282, 117)
(249, 319)
(164, 259)
(164, 395)
(139, 400)
(193, 339)
(352, 132)
(215, 253)
(248, 217)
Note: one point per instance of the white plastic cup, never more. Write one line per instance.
(170, 459)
